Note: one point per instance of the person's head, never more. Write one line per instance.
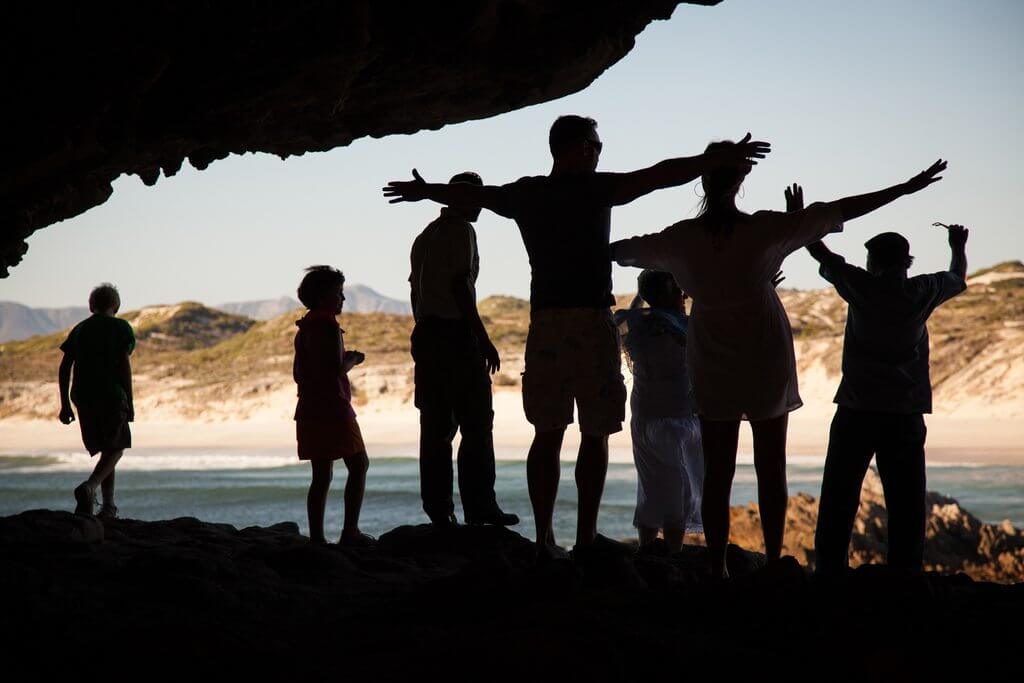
(575, 144)
(659, 290)
(722, 183)
(322, 289)
(105, 299)
(888, 251)
(470, 213)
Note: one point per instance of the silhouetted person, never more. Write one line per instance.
(572, 350)
(664, 427)
(740, 345)
(884, 392)
(97, 351)
(325, 423)
(454, 358)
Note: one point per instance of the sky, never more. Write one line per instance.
(853, 96)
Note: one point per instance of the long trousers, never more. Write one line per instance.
(897, 443)
(453, 393)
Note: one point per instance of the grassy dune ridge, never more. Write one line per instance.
(195, 356)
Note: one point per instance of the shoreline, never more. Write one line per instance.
(986, 441)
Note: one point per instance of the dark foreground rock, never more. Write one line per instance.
(185, 597)
(955, 540)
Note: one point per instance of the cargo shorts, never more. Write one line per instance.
(572, 357)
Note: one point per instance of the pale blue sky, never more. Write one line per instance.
(854, 96)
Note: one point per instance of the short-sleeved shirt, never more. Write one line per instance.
(98, 345)
(444, 250)
(885, 349)
(323, 388)
(565, 222)
(739, 343)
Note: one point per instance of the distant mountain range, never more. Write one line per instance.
(18, 321)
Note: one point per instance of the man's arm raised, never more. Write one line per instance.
(675, 172)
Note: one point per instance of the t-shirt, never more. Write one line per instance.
(885, 349)
(445, 249)
(323, 388)
(565, 222)
(97, 346)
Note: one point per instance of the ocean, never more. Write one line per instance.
(269, 486)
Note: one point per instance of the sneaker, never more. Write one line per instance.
(85, 498)
(549, 552)
(496, 518)
(107, 511)
(357, 540)
(444, 523)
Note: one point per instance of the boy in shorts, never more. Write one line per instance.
(97, 351)
(325, 423)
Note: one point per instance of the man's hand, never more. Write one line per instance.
(926, 177)
(742, 153)
(957, 234)
(491, 359)
(406, 190)
(67, 415)
(777, 279)
(131, 412)
(794, 198)
(353, 358)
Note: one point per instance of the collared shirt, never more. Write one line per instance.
(565, 223)
(444, 250)
(885, 348)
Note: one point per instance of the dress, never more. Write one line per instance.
(740, 345)
(666, 433)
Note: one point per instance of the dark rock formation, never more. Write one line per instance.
(188, 598)
(955, 540)
(98, 90)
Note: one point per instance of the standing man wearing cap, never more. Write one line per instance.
(454, 358)
(884, 392)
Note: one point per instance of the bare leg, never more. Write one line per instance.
(772, 494)
(674, 539)
(720, 441)
(316, 499)
(647, 535)
(542, 474)
(355, 487)
(591, 470)
(104, 468)
(108, 488)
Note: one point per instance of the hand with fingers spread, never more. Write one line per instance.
(742, 153)
(491, 359)
(926, 177)
(794, 198)
(406, 190)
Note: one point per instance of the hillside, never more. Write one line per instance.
(194, 362)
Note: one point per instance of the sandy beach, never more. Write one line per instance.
(393, 427)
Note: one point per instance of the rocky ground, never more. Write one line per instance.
(955, 540)
(184, 597)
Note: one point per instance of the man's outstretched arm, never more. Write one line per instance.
(675, 172)
(454, 194)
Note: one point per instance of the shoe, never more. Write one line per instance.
(496, 518)
(600, 548)
(85, 498)
(548, 552)
(107, 511)
(443, 523)
(357, 540)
